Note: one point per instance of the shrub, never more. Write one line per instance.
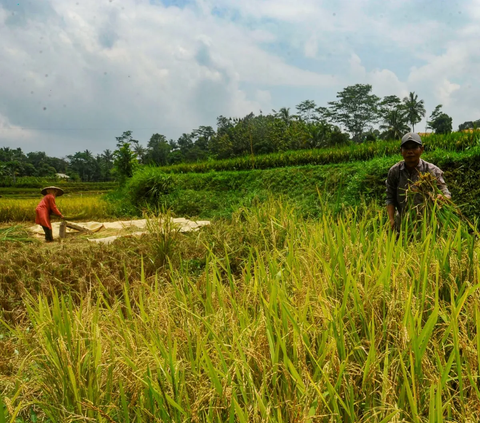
(148, 186)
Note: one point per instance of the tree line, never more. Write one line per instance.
(357, 115)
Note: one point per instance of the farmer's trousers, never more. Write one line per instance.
(48, 234)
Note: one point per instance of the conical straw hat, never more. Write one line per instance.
(59, 190)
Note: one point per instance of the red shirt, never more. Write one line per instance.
(44, 209)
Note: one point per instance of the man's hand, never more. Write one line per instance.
(392, 224)
(443, 198)
(391, 215)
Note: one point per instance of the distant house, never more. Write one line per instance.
(62, 176)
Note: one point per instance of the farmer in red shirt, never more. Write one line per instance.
(45, 208)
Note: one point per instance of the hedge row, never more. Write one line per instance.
(355, 152)
(34, 182)
(69, 188)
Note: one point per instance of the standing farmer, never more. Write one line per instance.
(45, 208)
(405, 173)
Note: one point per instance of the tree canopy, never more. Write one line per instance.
(356, 115)
(415, 109)
(440, 122)
(356, 109)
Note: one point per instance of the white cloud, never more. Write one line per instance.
(7, 131)
(114, 66)
(83, 71)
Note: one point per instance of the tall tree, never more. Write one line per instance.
(415, 109)
(126, 137)
(125, 162)
(395, 124)
(105, 161)
(202, 137)
(469, 125)
(158, 150)
(439, 121)
(84, 165)
(284, 114)
(356, 109)
(389, 104)
(306, 110)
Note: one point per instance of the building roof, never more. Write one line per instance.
(62, 175)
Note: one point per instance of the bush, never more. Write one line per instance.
(148, 185)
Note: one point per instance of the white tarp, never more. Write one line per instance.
(91, 226)
(183, 225)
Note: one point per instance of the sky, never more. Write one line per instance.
(75, 74)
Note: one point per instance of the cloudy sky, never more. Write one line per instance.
(76, 73)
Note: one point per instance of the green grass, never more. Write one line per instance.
(350, 153)
(286, 320)
(34, 183)
(218, 194)
(30, 190)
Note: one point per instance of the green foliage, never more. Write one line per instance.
(158, 150)
(469, 125)
(415, 109)
(219, 193)
(14, 164)
(85, 165)
(148, 185)
(14, 233)
(395, 124)
(356, 109)
(125, 162)
(339, 154)
(440, 122)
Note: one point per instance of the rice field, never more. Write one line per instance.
(87, 206)
(267, 317)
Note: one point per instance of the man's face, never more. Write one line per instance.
(411, 152)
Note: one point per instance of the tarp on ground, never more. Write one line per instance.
(91, 226)
(183, 225)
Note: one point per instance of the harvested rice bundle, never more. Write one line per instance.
(425, 204)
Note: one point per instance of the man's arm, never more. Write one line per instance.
(391, 215)
(442, 186)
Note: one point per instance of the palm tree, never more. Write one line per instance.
(140, 151)
(395, 124)
(415, 109)
(284, 114)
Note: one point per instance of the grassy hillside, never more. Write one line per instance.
(219, 193)
(354, 152)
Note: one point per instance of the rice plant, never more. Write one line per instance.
(426, 203)
(291, 320)
(355, 152)
(14, 233)
(88, 207)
